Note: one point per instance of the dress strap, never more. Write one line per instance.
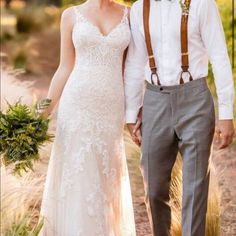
(125, 16)
(76, 13)
(125, 11)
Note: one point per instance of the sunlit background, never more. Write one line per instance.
(29, 57)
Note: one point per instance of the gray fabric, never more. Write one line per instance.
(177, 118)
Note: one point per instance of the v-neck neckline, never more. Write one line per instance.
(98, 29)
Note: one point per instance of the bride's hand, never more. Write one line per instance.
(44, 113)
(43, 107)
(135, 132)
(135, 129)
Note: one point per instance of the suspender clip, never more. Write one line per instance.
(154, 74)
(185, 68)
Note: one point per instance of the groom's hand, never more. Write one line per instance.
(135, 133)
(135, 129)
(224, 133)
(131, 128)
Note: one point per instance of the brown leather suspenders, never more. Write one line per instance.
(184, 40)
(152, 63)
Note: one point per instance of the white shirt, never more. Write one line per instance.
(206, 41)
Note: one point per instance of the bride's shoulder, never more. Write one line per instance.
(67, 15)
(68, 11)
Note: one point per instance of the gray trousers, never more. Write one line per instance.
(177, 118)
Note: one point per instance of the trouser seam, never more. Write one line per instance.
(194, 188)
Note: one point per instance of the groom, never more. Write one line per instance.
(176, 38)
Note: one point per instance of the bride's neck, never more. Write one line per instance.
(99, 3)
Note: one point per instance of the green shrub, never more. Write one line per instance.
(6, 36)
(21, 52)
(20, 60)
(33, 19)
(68, 2)
(26, 23)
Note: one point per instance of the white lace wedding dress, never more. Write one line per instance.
(87, 190)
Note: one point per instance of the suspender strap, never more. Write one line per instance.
(151, 58)
(184, 40)
(184, 44)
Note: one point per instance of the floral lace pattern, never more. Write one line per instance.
(87, 189)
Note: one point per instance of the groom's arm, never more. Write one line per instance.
(135, 67)
(212, 35)
(135, 72)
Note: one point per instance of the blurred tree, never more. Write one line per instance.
(44, 2)
(8, 3)
(55, 2)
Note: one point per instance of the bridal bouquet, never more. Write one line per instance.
(23, 130)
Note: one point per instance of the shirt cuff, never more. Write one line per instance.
(226, 112)
(131, 116)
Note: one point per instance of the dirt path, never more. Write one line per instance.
(223, 161)
(225, 165)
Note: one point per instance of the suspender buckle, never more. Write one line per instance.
(155, 75)
(185, 76)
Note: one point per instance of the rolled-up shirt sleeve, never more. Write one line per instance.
(213, 37)
(135, 69)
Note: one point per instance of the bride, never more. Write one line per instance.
(87, 190)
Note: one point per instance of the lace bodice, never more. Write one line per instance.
(96, 49)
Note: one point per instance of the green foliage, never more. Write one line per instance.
(24, 228)
(75, 2)
(5, 37)
(22, 132)
(20, 60)
(21, 53)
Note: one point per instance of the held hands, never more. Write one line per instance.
(135, 129)
(224, 133)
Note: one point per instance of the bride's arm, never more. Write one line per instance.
(67, 58)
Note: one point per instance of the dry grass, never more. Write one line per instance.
(20, 199)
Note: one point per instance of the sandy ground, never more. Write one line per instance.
(224, 162)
